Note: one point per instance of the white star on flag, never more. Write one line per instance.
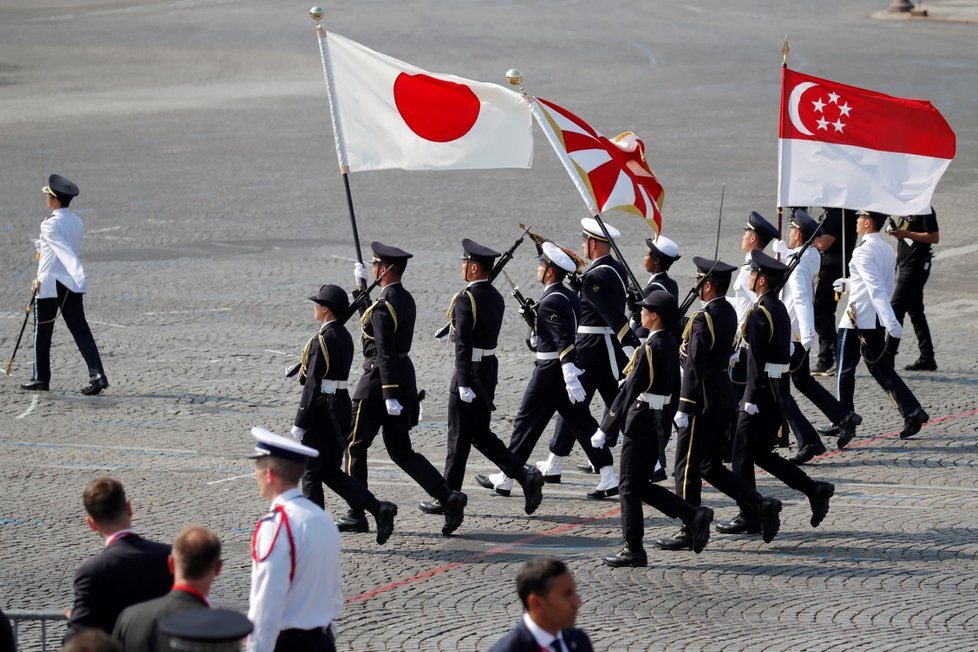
(844, 109)
(833, 98)
(819, 105)
(838, 126)
(823, 124)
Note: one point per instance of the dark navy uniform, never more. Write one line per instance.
(914, 261)
(601, 332)
(558, 313)
(767, 336)
(387, 327)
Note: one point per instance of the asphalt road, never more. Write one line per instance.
(199, 135)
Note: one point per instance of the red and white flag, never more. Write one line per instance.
(390, 114)
(849, 147)
(610, 174)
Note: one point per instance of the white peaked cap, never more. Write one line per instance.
(558, 257)
(593, 229)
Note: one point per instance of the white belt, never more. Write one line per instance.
(478, 354)
(330, 386)
(775, 370)
(594, 330)
(607, 332)
(655, 401)
(549, 355)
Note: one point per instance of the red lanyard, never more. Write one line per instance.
(279, 509)
(192, 591)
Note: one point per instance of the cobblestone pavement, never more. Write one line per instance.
(199, 136)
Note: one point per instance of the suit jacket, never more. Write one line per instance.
(137, 628)
(651, 370)
(330, 358)
(519, 639)
(58, 247)
(708, 342)
(476, 315)
(130, 570)
(387, 328)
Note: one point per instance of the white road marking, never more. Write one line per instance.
(185, 312)
(28, 410)
(108, 228)
(107, 323)
(291, 355)
(956, 251)
(237, 477)
(95, 447)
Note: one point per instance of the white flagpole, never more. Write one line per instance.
(316, 13)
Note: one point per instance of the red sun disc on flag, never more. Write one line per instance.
(435, 109)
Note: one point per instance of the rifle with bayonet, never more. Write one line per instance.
(694, 291)
(493, 273)
(528, 309)
(574, 277)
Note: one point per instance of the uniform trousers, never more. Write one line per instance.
(754, 443)
(305, 640)
(830, 406)
(468, 426)
(908, 298)
(369, 417)
(824, 306)
(327, 468)
(545, 396)
(635, 484)
(880, 364)
(597, 378)
(698, 458)
(73, 311)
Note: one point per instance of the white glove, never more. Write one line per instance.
(895, 330)
(533, 340)
(360, 274)
(781, 248)
(297, 433)
(37, 245)
(681, 419)
(466, 394)
(841, 285)
(575, 392)
(393, 407)
(443, 338)
(751, 408)
(629, 351)
(598, 439)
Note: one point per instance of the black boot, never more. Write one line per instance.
(679, 541)
(631, 555)
(353, 522)
(95, 385)
(819, 500)
(454, 512)
(847, 429)
(699, 528)
(385, 521)
(532, 488)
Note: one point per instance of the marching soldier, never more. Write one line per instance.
(798, 299)
(767, 337)
(386, 396)
(869, 287)
(604, 344)
(641, 412)
(915, 235)
(61, 285)
(662, 253)
(706, 405)
(324, 415)
(554, 385)
(476, 315)
(296, 584)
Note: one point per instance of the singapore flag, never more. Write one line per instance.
(848, 147)
(390, 114)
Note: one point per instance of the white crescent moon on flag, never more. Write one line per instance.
(793, 101)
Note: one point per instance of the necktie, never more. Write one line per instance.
(556, 646)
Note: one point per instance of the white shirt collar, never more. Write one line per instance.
(478, 280)
(540, 635)
(286, 496)
(115, 536)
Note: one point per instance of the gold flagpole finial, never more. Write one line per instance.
(515, 79)
(784, 52)
(317, 13)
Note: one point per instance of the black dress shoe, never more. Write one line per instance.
(923, 364)
(586, 467)
(454, 512)
(601, 494)
(431, 507)
(699, 528)
(913, 422)
(35, 386)
(658, 475)
(806, 453)
(484, 481)
(819, 370)
(532, 489)
(819, 501)
(95, 385)
(353, 522)
(385, 521)
(770, 513)
(628, 557)
(828, 430)
(679, 541)
(847, 429)
(739, 525)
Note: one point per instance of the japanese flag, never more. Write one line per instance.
(389, 114)
(853, 148)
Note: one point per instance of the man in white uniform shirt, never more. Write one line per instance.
(61, 284)
(296, 584)
(869, 325)
(798, 298)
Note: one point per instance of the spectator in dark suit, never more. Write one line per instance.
(129, 570)
(7, 643)
(194, 562)
(549, 595)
